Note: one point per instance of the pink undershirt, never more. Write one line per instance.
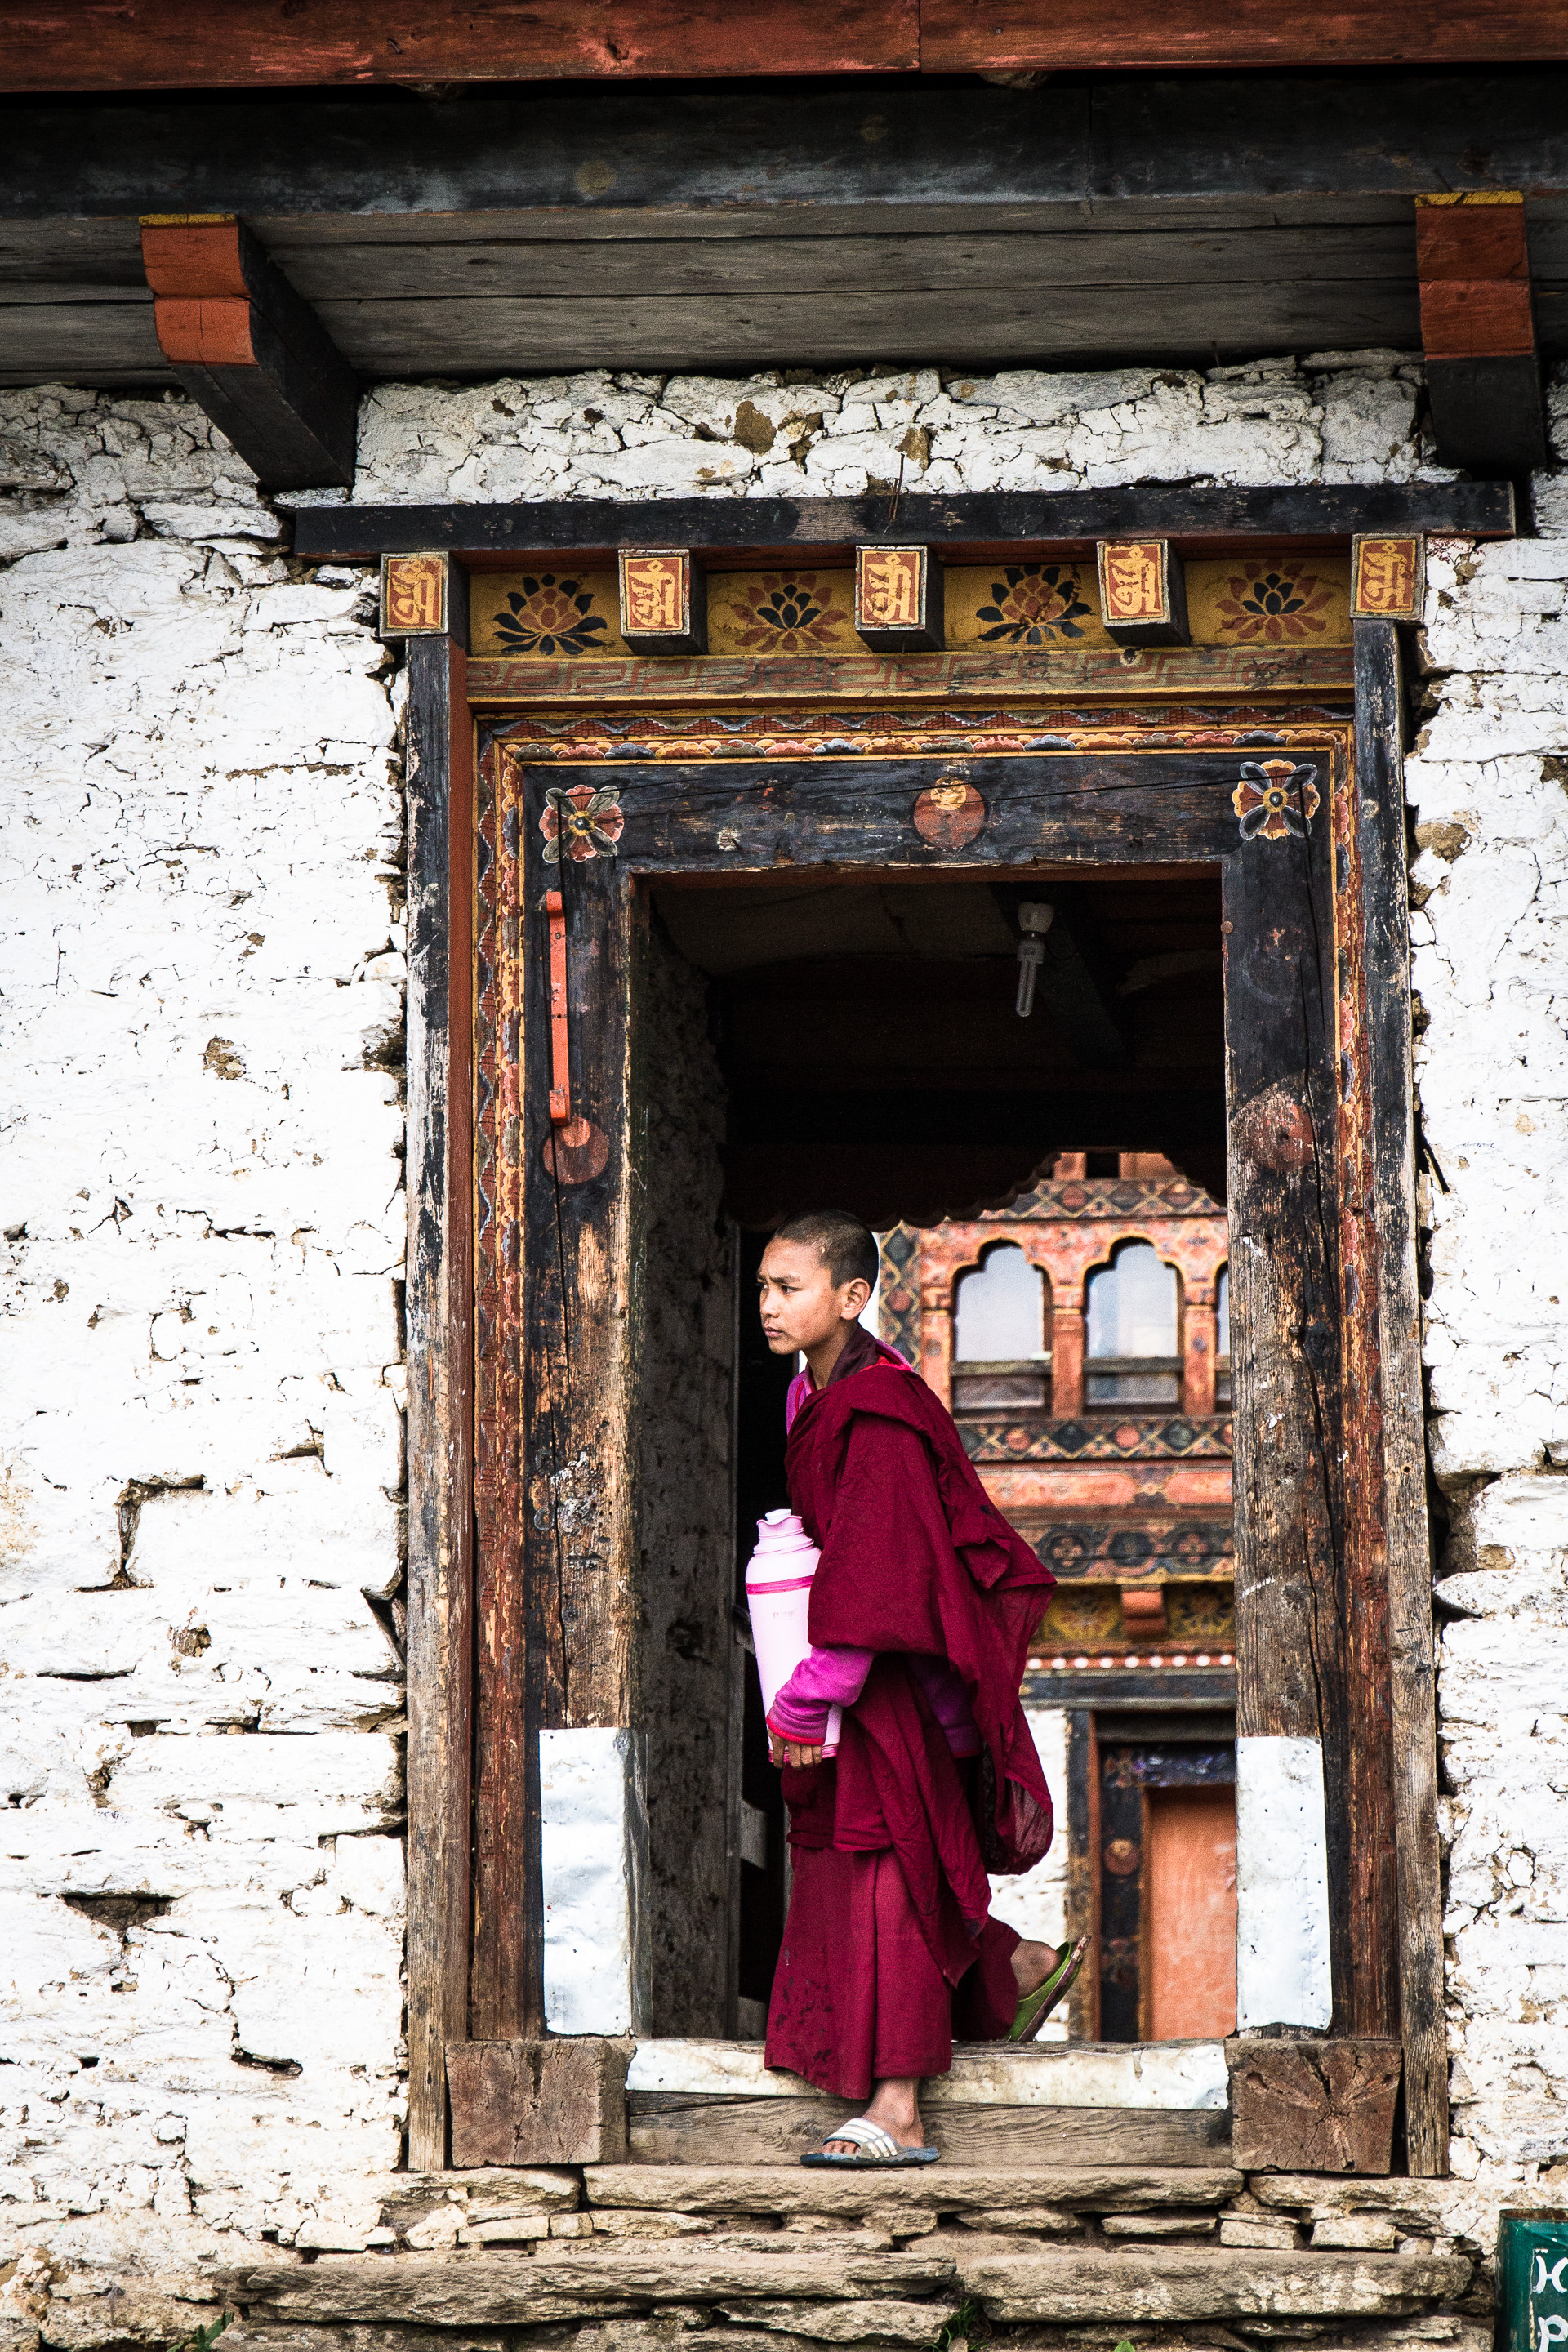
(834, 1676)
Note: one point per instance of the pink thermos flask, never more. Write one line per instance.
(778, 1594)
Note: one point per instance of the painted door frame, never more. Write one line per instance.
(444, 1624)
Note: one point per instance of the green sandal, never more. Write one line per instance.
(1036, 2006)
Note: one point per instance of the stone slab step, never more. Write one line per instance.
(779, 2189)
(1139, 2286)
(563, 2280)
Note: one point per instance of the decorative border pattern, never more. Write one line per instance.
(1198, 1548)
(542, 737)
(1161, 671)
(1087, 1199)
(1132, 1438)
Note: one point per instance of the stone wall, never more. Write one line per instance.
(1334, 416)
(199, 1702)
(1488, 789)
(200, 1766)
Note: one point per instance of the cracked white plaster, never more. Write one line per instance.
(1487, 786)
(201, 1807)
(1334, 416)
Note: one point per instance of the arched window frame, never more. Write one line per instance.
(1009, 1385)
(1171, 1367)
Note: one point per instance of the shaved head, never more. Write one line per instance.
(846, 1247)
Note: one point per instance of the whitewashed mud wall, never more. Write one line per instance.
(200, 1772)
(1489, 787)
(1334, 417)
(199, 1876)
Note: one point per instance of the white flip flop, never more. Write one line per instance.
(879, 2151)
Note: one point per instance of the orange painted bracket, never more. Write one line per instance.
(1478, 331)
(560, 1062)
(249, 350)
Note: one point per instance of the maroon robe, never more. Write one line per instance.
(889, 1912)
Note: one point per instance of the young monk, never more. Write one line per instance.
(921, 1609)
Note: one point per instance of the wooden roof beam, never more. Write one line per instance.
(250, 351)
(1478, 330)
(78, 45)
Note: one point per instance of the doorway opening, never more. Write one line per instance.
(1038, 1181)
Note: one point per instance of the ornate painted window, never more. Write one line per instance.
(1133, 1340)
(1000, 1355)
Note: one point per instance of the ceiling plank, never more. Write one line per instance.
(253, 44)
(1081, 326)
(644, 266)
(584, 154)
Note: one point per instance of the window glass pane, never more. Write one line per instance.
(1001, 1310)
(1222, 1304)
(1132, 1305)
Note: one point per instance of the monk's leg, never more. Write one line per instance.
(822, 2020)
(1005, 1968)
(913, 2022)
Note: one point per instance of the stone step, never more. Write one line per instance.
(565, 2280)
(1139, 2286)
(839, 2287)
(781, 2188)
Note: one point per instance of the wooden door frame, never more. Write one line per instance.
(441, 1609)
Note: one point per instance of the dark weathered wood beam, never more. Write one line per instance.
(977, 523)
(811, 161)
(1478, 330)
(1412, 1665)
(439, 1346)
(251, 352)
(253, 44)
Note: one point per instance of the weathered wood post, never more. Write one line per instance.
(423, 598)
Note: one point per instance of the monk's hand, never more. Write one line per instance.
(792, 1751)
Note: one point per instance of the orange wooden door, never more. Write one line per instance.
(1189, 1913)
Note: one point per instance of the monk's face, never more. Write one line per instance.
(802, 1305)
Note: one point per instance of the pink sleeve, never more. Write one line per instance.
(824, 1679)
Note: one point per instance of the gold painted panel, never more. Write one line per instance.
(1270, 599)
(781, 611)
(545, 615)
(1267, 601)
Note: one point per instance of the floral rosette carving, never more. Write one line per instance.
(1032, 605)
(1276, 608)
(551, 616)
(1276, 799)
(580, 823)
(788, 614)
